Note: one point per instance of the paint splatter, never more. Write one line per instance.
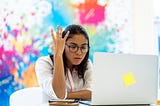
(90, 12)
(25, 36)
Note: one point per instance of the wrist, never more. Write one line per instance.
(68, 95)
(58, 55)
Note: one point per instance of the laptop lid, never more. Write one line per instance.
(124, 79)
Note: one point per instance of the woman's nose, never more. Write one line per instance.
(79, 52)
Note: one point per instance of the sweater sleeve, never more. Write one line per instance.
(88, 76)
(44, 71)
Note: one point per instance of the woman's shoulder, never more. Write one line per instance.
(44, 59)
(89, 64)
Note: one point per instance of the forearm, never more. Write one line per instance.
(82, 94)
(58, 83)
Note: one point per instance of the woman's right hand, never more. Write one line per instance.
(58, 41)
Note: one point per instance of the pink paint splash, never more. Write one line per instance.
(90, 12)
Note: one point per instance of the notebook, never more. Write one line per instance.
(124, 79)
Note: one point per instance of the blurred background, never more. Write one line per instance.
(25, 35)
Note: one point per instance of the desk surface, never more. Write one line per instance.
(47, 104)
(80, 104)
(88, 103)
(85, 105)
(76, 103)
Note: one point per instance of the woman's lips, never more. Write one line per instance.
(77, 58)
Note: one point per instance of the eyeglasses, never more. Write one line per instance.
(75, 48)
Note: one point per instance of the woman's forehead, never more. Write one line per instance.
(77, 39)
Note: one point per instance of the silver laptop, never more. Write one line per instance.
(124, 79)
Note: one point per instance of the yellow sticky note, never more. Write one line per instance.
(129, 79)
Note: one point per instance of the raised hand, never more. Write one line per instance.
(58, 41)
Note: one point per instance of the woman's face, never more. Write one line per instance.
(76, 49)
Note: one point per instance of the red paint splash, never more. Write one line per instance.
(90, 12)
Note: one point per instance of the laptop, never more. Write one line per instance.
(124, 79)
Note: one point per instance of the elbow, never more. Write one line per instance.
(60, 93)
(61, 96)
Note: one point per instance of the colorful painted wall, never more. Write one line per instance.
(25, 36)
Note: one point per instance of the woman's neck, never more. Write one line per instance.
(69, 65)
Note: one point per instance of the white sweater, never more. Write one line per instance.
(44, 71)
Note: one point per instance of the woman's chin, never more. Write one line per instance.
(76, 62)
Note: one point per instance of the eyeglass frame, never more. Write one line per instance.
(69, 46)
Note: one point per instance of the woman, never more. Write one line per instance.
(67, 73)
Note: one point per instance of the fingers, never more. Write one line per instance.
(65, 37)
(52, 34)
(59, 31)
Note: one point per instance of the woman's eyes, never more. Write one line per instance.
(76, 47)
(73, 46)
(83, 47)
